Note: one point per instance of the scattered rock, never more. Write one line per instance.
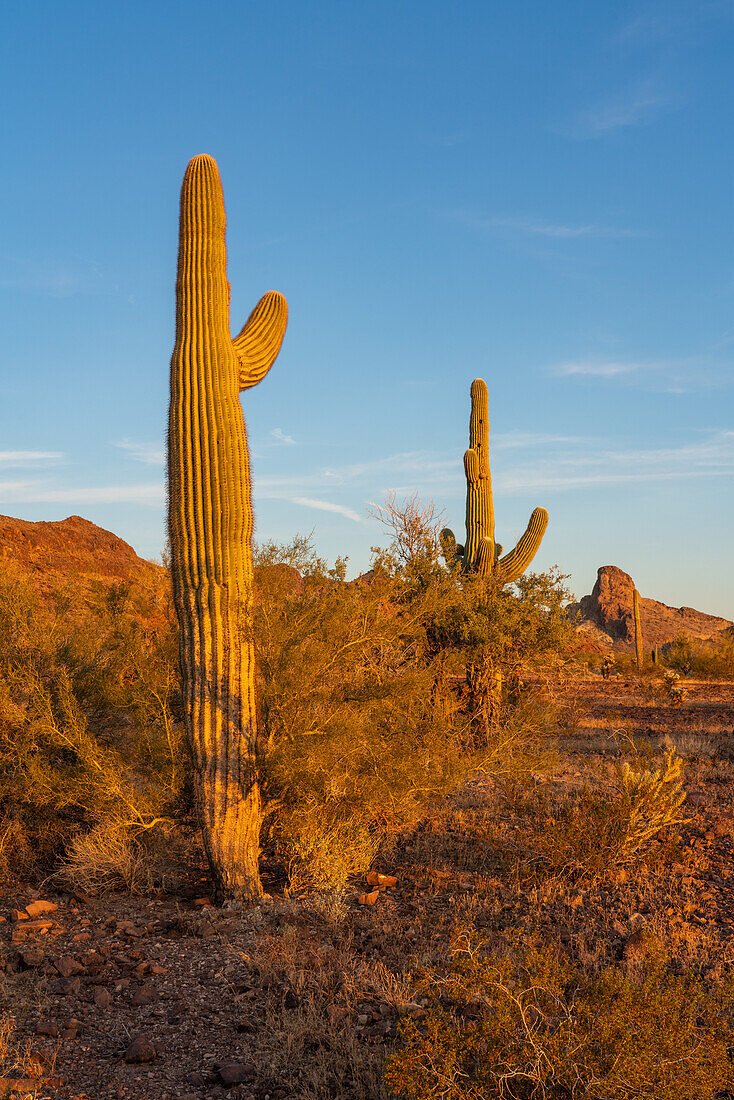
(33, 957)
(140, 1051)
(146, 995)
(69, 987)
(47, 1028)
(68, 966)
(18, 914)
(369, 899)
(102, 997)
(374, 878)
(234, 1073)
(38, 908)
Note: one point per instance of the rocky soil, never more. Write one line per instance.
(170, 998)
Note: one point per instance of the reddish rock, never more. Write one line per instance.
(38, 908)
(608, 610)
(102, 997)
(67, 966)
(140, 1051)
(146, 995)
(234, 1073)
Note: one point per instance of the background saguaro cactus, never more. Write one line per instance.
(480, 553)
(210, 526)
(639, 650)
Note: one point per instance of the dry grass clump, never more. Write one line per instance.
(17, 1059)
(527, 1025)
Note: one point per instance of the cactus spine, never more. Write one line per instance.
(639, 650)
(210, 527)
(480, 553)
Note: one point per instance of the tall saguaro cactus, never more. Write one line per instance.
(210, 527)
(639, 649)
(480, 553)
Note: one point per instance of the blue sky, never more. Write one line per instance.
(537, 194)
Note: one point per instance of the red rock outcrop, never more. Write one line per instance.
(608, 612)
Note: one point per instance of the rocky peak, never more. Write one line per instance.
(608, 610)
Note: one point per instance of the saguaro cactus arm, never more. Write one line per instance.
(210, 526)
(481, 553)
(258, 344)
(513, 565)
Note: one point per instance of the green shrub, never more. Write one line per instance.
(376, 696)
(527, 1025)
(88, 734)
(701, 659)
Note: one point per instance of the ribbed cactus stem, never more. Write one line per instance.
(210, 527)
(479, 548)
(480, 554)
(639, 649)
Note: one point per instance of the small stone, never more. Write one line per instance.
(140, 1051)
(67, 966)
(41, 925)
(203, 902)
(102, 997)
(146, 995)
(33, 957)
(156, 968)
(69, 987)
(18, 914)
(38, 908)
(363, 1019)
(46, 1027)
(233, 1073)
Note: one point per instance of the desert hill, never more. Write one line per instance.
(74, 564)
(606, 615)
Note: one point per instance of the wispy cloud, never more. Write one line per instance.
(712, 456)
(559, 231)
(637, 105)
(540, 227)
(30, 458)
(152, 454)
(39, 492)
(279, 435)
(674, 376)
(593, 369)
(54, 278)
(328, 506)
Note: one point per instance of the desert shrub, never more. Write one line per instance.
(378, 696)
(701, 659)
(88, 734)
(594, 831)
(527, 1024)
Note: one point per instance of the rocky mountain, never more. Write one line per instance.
(75, 565)
(606, 615)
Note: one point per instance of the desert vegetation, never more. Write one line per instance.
(557, 924)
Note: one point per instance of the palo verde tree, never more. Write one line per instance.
(210, 526)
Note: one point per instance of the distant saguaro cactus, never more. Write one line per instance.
(639, 649)
(480, 553)
(210, 527)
